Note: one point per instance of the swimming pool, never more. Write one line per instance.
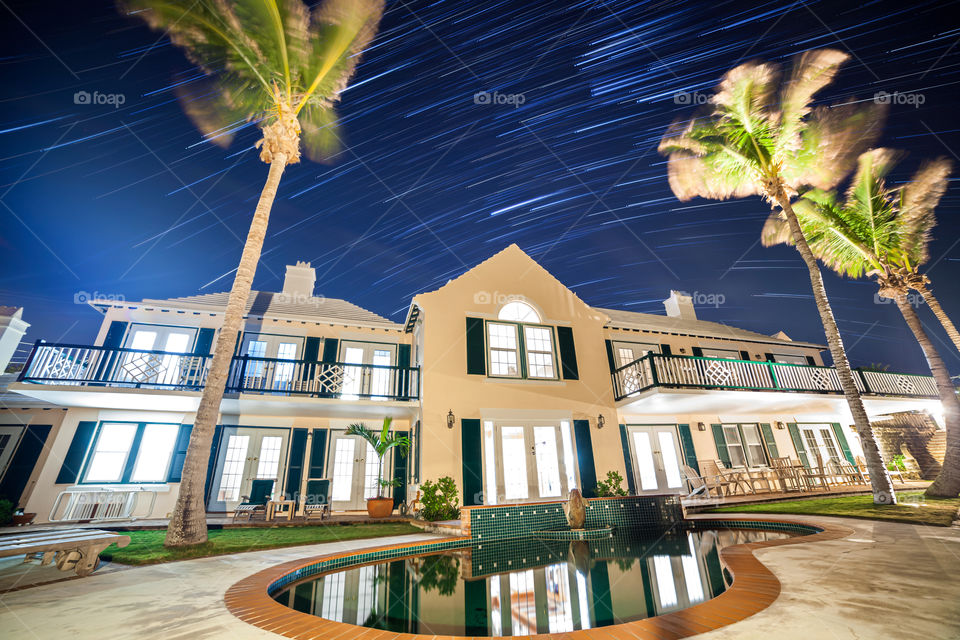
(526, 586)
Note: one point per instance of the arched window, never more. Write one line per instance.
(517, 311)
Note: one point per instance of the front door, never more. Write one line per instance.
(9, 437)
(818, 438)
(530, 462)
(248, 454)
(655, 452)
(376, 381)
(354, 472)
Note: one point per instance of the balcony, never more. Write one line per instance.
(172, 375)
(764, 385)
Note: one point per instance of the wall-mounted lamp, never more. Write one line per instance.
(701, 426)
(683, 350)
(601, 421)
(780, 425)
(451, 419)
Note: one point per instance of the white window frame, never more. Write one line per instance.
(711, 352)
(742, 444)
(134, 449)
(522, 350)
(516, 350)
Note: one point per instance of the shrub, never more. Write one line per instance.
(897, 463)
(612, 486)
(441, 500)
(6, 512)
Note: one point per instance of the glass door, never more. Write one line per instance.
(531, 462)
(819, 439)
(370, 382)
(655, 451)
(266, 368)
(155, 368)
(353, 464)
(248, 454)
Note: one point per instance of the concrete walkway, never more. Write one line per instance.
(885, 581)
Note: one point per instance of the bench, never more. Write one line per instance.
(77, 549)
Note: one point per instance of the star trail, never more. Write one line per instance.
(468, 126)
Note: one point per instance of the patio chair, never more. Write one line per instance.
(725, 481)
(815, 476)
(865, 472)
(256, 503)
(316, 500)
(843, 472)
(786, 471)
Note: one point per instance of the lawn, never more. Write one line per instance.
(146, 547)
(913, 508)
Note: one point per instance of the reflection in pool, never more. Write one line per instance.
(523, 587)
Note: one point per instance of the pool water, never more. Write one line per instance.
(523, 587)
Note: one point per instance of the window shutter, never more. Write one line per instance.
(311, 349)
(798, 443)
(318, 451)
(402, 383)
(330, 346)
(180, 453)
(666, 350)
(471, 443)
(568, 353)
(476, 352)
(204, 342)
(811, 361)
(721, 442)
(212, 461)
(610, 359)
(628, 463)
(114, 337)
(73, 461)
(686, 441)
(400, 471)
(23, 461)
(768, 439)
(298, 449)
(697, 352)
(744, 355)
(842, 440)
(770, 357)
(585, 464)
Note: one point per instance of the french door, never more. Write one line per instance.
(818, 438)
(353, 464)
(655, 452)
(153, 368)
(627, 352)
(248, 454)
(531, 462)
(266, 369)
(371, 382)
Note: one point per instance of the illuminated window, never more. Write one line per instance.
(132, 452)
(504, 350)
(517, 311)
(508, 341)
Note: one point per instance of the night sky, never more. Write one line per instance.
(128, 200)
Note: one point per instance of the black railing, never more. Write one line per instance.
(83, 365)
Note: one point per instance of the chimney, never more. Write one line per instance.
(299, 280)
(12, 328)
(680, 305)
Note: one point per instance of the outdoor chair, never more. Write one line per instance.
(316, 500)
(843, 472)
(865, 472)
(815, 476)
(726, 482)
(256, 503)
(786, 470)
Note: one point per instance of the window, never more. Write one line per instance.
(539, 344)
(753, 444)
(628, 352)
(728, 354)
(132, 452)
(506, 343)
(233, 468)
(503, 350)
(517, 311)
(789, 359)
(744, 445)
(284, 371)
(269, 463)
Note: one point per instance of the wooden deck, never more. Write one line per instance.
(697, 504)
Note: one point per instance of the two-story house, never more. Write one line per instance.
(503, 378)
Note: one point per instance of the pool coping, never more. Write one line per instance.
(754, 589)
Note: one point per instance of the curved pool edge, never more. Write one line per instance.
(754, 588)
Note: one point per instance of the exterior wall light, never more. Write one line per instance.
(780, 425)
(451, 419)
(701, 426)
(601, 421)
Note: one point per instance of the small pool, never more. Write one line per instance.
(526, 586)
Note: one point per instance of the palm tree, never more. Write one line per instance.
(757, 137)
(283, 66)
(381, 441)
(874, 232)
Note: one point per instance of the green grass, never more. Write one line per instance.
(146, 547)
(913, 508)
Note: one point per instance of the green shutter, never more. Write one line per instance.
(311, 348)
(330, 346)
(400, 472)
(811, 361)
(665, 350)
(697, 352)
(768, 438)
(403, 376)
(744, 355)
(73, 461)
(721, 441)
(842, 440)
(212, 461)
(689, 454)
(298, 449)
(798, 443)
(610, 359)
(476, 616)
(471, 443)
(627, 463)
(318, 453)
(602, 600)
(568, 353)
(23, 461)
(180, 453)
(204, 342)
(115, 333)
(770, 357)
(585, 464)
(476, 352)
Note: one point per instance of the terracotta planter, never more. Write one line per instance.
(379, 507)
(25, 518)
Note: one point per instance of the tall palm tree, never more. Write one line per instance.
(277, 63)
(758, 137)
(874, 232)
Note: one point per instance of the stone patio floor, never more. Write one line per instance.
(886, 580)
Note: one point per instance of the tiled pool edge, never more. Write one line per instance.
(754, 588)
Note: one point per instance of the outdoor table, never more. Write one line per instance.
(283, 506)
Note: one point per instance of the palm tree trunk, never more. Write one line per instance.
(188, 523)
(947, 484)
(940, 313)
(880, 480)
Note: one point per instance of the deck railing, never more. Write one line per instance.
(692, 372)
(82, 365)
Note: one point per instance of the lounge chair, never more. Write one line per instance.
(725, 481)
(787, 472)
(316, 500)
(256, 503)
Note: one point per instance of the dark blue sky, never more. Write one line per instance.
(129, 201)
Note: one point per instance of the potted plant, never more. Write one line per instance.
(381, 442)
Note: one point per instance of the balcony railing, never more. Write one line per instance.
(689, 372)
(79, 365)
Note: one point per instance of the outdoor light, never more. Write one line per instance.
(601, 421)
(779, 425)
(451, 419)
(701, 426)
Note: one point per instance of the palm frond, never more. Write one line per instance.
(918, 199)
(812, 71)
(776, 230)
